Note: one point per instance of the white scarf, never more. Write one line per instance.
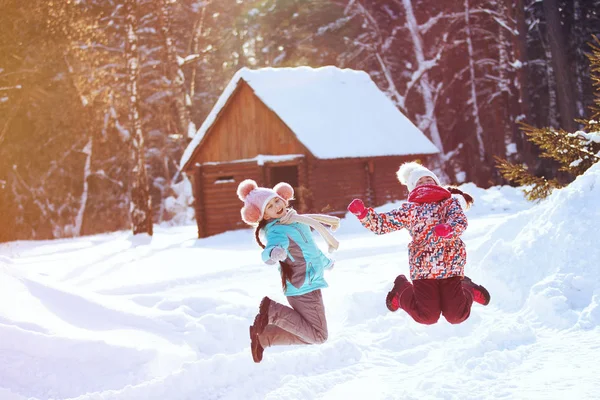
(318, 223)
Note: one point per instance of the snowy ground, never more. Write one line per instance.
(116, 317)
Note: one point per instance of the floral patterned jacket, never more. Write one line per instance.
(430, 256)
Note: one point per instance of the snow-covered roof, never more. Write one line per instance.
(335, 113)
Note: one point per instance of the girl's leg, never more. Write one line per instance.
(305, 320)
(275, 336)
(421, 300)
(456, 300)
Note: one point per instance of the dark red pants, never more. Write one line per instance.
(425, 299)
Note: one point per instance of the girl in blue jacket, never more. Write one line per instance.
(290, 243)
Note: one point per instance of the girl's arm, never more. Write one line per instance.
(456, 218)
(387, 222)
(275, 238)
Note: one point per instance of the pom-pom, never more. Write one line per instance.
(284, 190)
(245, 187)
(405, 170)
(250, 214)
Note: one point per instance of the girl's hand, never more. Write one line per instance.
(278, 254)
(443, 230)
(357, 207)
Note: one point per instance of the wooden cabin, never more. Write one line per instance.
(329, 132)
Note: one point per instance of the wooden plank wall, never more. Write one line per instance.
(385, 184)
(334, 183)
(329, 187)
(218, 207)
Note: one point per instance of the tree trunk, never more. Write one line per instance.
(551, 81)
(472, 85)
(175, 73)
(506, 76)
(521, 106)
(140, 201)
(195, 49)
(558, 49)
(580, 61)
(430, 122)
(87, 150)
(87, 171)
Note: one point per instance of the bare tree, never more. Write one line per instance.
(174, 73)
(140, 201)
(195, 47)
(472, 82)
(378, 40)
(87, 150)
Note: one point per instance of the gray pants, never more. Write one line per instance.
(303, 323)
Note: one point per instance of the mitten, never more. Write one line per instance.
(443, 230)
(357, 207)
(278, 254)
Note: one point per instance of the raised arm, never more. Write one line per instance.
(380, 223)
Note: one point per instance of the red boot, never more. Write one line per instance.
(392, 300)
(480, 294)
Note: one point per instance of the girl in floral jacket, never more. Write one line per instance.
(437, 256)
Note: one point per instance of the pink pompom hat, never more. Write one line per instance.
(256, 198)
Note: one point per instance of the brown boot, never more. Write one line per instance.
(255, 346)
(262, 318)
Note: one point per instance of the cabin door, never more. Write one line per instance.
(286, 173)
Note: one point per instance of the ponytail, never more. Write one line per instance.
(259, 227)
(468, 198)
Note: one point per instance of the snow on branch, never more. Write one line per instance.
(6, 88)
(190, 58)
(590, 137)
(502, 23)
(332, 26)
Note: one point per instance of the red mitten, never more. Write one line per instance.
(443, 230)
(357, 207)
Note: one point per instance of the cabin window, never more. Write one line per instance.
(224, 179)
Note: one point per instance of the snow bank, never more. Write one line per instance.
(545, 260)
(494, 200)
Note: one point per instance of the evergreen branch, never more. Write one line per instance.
(535, 188)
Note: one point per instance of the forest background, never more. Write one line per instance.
(98, 98)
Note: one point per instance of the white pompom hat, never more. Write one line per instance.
(410, 172)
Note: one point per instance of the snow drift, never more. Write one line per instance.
(544, 261)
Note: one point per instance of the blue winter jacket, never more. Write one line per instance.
(307, 261)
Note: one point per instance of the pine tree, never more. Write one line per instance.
(574, 152)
